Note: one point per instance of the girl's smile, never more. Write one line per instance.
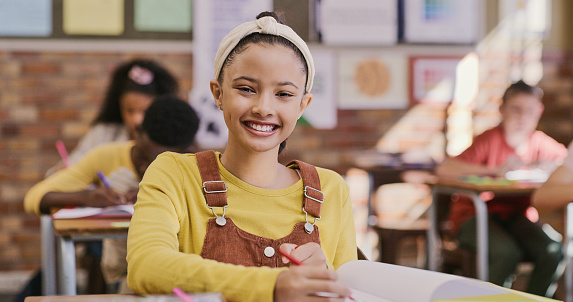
(263, 129)
(261, 96)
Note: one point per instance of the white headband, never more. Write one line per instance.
(265, 25)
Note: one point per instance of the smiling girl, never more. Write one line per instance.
(215, 221)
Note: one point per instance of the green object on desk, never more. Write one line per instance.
(120, 224)
(486, 180)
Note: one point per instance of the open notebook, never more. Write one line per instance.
(380, 282)
(107, 212)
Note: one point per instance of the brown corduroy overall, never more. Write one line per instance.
(225, 242)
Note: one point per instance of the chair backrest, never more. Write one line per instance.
(361, 255)
(401, 201)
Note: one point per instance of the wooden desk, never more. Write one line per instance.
(450, 186)
(84, 298)
(67, 232)
(198, 297)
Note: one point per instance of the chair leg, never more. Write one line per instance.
(388, 246)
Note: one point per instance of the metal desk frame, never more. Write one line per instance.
(449, 186)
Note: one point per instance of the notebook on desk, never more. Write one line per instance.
(119, 211)
(382, 282)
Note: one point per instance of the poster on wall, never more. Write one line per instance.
(443, 21)
(358, 22)
(213, 19)
(432, 79)
(31, 18)
(93, 17)
(322, 111)
(164, 15)
(372, 80)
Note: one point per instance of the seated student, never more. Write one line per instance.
(557, 191)
(514, 144)
(170, 124)
(215, 221)
(132, 87)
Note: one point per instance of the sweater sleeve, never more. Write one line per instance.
(346, 249)
(156, 263)
(75, 178)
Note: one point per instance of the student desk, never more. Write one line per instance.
(204, 297)
(450, 186)
(66, 232)
(84, 298)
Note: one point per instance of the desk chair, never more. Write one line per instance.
(361, 255)
(398, 209)
(568, 246)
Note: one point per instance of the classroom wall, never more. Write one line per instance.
(50, 94)
(45, 96)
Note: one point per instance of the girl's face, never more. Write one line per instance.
(132, 106)
(261, 96)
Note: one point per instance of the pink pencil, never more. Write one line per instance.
(63, 152)
(182, 295)
(291, 258)
(300, 263)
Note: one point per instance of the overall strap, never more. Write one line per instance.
(214, 188)
(313, 196)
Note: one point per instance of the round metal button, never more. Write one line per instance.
(269, 251)
(308, 227)
(221, 221)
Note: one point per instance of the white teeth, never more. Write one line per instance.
(263, 128)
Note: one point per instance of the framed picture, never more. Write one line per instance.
(432, 79)
(376, 21)
(372, 80)
(443, 21)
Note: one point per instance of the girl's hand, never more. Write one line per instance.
(309, 283)
(309, 253)
(102, 197)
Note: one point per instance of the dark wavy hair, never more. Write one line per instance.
(258, 38)
(170, 122)
(163, 83)
(521, 87)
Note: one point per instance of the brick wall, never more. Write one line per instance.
(45, 96)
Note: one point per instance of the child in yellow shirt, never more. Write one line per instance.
(216, 221)
(170, 124)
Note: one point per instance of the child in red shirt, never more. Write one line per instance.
(514, 144)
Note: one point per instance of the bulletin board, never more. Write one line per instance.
(125, 19)
(120, 26)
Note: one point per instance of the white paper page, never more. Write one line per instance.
(90, 211)
(405, 284)
(359, 296)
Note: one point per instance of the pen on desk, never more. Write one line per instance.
(181, 295)
(292, 259)
(103, 179)
(63, 152)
